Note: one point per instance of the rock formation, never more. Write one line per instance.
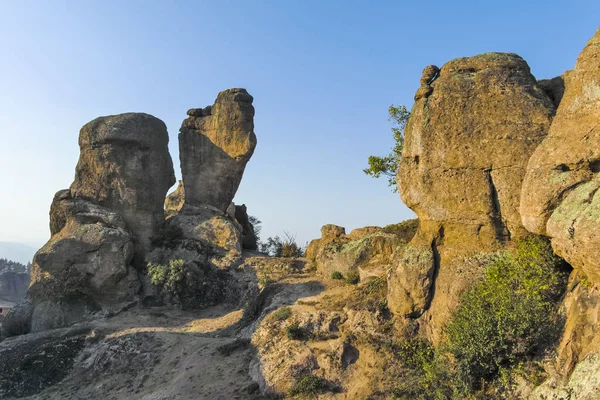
(175, 200)
(85, 267)
(215, 143)
(466, 148)
(367, 251)
(560, 200)
(248, 235)
(124, 165)
(560, 189)
(110, 217)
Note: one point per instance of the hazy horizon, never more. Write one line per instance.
(322, 75)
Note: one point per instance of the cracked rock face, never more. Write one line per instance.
(215, 143)
(466, 149)
(560, 193)
(124, 165)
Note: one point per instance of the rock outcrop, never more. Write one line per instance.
(560, 200)
(174, 201)
(466, 148)
(103, 226)
(209, 227)
(124, 165)
(248, 236)
(560, 192)
(367, 251)
(215, 143)
(84, 268)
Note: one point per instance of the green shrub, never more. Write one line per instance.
(168, 277)
(282, 314)
(190, 285)
(310, 385)
(371, 296)
(375, 285)
(414, 353)
(352, 278)
(510, 316)
(337, 275)
(264, 279)
(278, 247)
(296, 332)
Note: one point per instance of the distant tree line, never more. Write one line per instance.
(13, 266)
(276, 246)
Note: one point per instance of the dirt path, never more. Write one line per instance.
(147, 354)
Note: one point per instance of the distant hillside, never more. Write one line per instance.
(14, 280)
(17, 252)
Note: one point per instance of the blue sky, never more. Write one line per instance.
(322, 74)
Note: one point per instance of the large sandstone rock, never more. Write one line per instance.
(84, 267)
(368, 251)
(560, 192)
(466, 148)
(209, 227)
(215, 143)
(124, 165)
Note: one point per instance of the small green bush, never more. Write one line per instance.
(168, 277)
(375, 285)
(310, 385)
(189, 285)
(296, 332)
(337, 275)
(352, 278)
(511, 315)
(282, 314)
(264, 279)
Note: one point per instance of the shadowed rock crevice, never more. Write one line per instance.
(502, 232)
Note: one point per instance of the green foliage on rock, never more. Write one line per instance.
(405, 229)
(296, 332)
(352, 278)
(511, 315)
(501, 327)
(282, 314)
(311, 385)
(190, 285)
(337, 275)
(169, 277)
(387, 165)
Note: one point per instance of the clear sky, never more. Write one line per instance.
(322, 74)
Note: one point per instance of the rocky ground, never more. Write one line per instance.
(150, 352)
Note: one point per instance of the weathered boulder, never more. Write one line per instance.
(124, 165)
(368, 251)
(248, 235)
(84, 267)
(329, 233)
(208, 226)
(175, 200)
(560, 192)
(215, 143)
(466, 149)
